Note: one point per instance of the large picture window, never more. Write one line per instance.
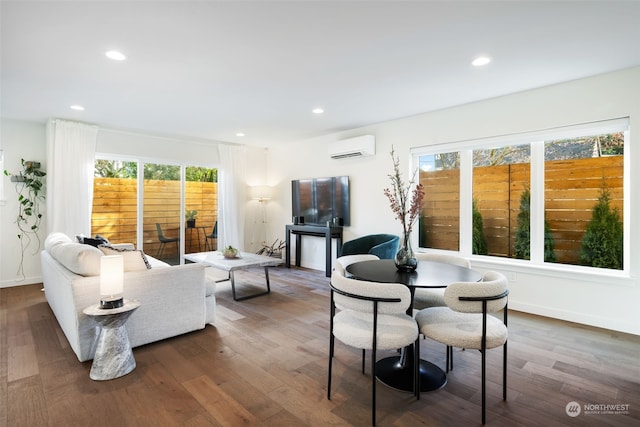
(554, 196)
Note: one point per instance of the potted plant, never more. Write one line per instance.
(190, 216)
(274, 250)
(230, 252)
(30, 188)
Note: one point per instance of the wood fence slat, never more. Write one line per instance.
(572, 187)
(115, 209)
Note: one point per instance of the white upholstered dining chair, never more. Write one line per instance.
(434, 297)
(372, 317)
(466, 321)
(344, 261)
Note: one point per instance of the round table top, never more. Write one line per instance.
(429, 274)
(95, 310)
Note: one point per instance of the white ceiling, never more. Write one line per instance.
(211, 69)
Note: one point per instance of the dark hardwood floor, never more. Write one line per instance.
(265, 363)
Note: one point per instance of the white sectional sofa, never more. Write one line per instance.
(173, 299)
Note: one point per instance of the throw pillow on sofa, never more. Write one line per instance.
(76, 257)
(54, 239)
(134, 260)
(93, 241)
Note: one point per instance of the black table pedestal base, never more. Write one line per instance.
(393, 373)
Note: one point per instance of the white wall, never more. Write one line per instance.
(19, 140)
(609, 302)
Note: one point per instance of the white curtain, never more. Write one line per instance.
(71, 149)
(231, 196)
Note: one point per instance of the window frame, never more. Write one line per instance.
(536, 139)
(141, 161)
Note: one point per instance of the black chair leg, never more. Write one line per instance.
(363, 360)
(373, 388)
(484, 360)
(448, 361)
(416, 369)
(331, 346)
(160, 251)
(504, 372)
(451, 358)
(332, 312)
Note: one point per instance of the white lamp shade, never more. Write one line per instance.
(111, 277)
(260, 192)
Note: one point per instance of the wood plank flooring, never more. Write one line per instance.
(265, 364)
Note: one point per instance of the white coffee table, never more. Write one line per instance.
(244, 261)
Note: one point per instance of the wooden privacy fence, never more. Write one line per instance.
(115, 203)
(572, 188)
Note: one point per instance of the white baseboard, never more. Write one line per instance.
(582, 318)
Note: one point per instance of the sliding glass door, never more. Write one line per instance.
(162, 217)
(175, 209)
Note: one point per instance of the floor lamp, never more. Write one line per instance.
(262, 193)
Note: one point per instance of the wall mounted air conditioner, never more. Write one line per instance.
(359, 146)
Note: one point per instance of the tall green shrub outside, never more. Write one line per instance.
(479, 241)
(602, 242)
(522, 245)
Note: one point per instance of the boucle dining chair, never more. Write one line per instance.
(466, 321)
(373, 317)
(434, 297)
(344, 261)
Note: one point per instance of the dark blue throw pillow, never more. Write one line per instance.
(98, 240)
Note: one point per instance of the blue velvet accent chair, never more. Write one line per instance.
(384, 246)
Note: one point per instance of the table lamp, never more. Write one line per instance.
(111, 281)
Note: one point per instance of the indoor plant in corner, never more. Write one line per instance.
(30, 188)
(406, 204)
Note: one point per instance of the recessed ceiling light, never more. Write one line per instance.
(317, 111)
(239, 134)
(77, 107)
(480, 61)
(115, 55)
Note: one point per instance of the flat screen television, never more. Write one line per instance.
(319, 200)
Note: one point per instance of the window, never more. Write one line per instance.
(501, 178)
(554, 196)
(439, 223)
(583, 191)
(119, 214)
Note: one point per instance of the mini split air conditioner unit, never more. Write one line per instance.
(359, 146)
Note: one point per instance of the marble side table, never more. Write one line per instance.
(113, 357)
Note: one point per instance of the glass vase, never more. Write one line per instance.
(405, 258)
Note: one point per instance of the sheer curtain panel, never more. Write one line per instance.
(71, 148)
(232, 195)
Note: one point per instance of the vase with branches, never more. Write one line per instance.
(405, 200)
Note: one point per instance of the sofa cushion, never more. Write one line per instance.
(76, 257)
(156, 263)
(133, 260)
(54, 239)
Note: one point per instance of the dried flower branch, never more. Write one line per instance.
(398, 197)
